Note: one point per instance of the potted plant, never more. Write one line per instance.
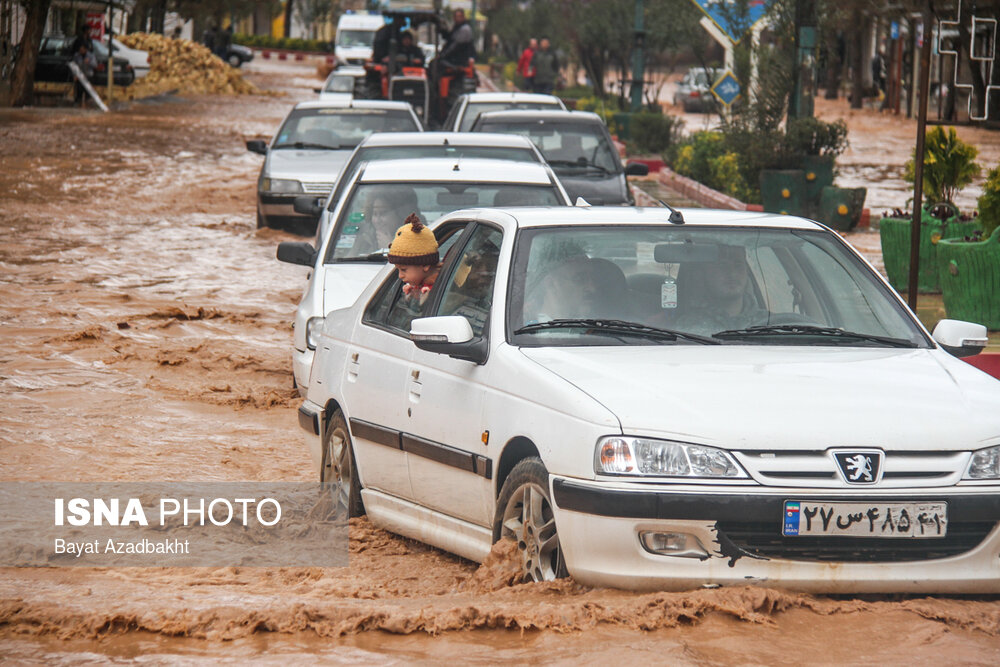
(949, 165)
(969, 268)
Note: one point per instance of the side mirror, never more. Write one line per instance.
(449, 334)
(296, 252)
(257, 146)
(317, 90)
(636, 169)
(962, 339)
(306, 205)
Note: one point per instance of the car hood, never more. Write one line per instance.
(755, 397)
(597, 189)
(321, 166)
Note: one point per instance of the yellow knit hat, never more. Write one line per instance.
(414, 244)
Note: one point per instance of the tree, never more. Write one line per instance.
(313, 12)
(23, 76)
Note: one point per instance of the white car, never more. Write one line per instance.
(406, 145)
(468, 107)
(652, 399)
(138, 59)
(309, 149)
(376, 200)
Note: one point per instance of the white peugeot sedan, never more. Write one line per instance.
(376, 200)
(309, 149)
(469, 106)
(651, 400)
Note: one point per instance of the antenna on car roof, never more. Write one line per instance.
(676, 217)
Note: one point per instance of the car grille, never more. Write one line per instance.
(766, 540)
(317, 188)
(816, 469)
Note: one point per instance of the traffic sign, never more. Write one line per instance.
(728, 18)
(727, 89)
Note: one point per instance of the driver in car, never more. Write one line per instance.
(718, 295)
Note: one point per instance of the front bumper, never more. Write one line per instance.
(301, 368)
(278, 212)
(740, 529)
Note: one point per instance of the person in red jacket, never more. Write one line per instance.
(524, 67)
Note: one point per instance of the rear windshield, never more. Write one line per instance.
(473, 109)
(351, 38)
(571, 148)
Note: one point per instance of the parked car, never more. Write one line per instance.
(579, 148)
(378, 196)
(651, 399)
(468, 107)
(694, 92)
(237, 54)
(403, 145)
(310, 147)
(55, 56)
(138, 59)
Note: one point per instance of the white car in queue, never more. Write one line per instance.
(651, 399)
(406, 145)
(312, 144)
(376, 200)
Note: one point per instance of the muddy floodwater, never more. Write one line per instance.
(146, 335)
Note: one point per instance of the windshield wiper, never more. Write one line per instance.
(810, 330)
(619, 327)
(305, 144)
(578, 165)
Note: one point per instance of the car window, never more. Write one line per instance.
(468, 290)
(374, 211)
(339, 83)
(352, 38)
(571, 148)
(390, 309)
(340, 128)
(473, 109)
(702, 282)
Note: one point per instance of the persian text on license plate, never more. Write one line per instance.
(874, 519)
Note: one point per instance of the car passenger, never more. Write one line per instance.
(571, 290)
(414, 252)
(385, 207)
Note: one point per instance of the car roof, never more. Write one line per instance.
(617, 215)
(534, 115)
(449, 138)
(452, 170)
(514, 96)
(353, 104)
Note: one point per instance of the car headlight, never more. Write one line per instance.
(624, 455)
(313, 326)
(985, 464)
(280, 185)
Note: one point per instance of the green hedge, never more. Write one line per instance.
(284, 43)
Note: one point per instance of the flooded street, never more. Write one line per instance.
(146, 331)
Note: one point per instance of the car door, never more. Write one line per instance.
(450, 467)
(377, 372)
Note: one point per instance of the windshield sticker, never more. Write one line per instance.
(351, 229)
(357, 216)
(346, 241)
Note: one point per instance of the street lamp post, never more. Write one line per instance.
(918, 162)
(638, 59)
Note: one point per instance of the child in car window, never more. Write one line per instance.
(414, 251)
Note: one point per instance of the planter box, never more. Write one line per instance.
(895, 237)
(970, 280)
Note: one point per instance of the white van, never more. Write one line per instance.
(355, 34)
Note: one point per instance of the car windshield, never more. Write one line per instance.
(661, 285)
(473, 109)
(571, 148)
(339, 127)
(352, 38)
(340, 83)
(374, 211)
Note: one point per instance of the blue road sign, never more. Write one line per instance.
(726, 16)
(727, 89)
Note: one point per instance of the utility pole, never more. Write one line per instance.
(638, 58)
(918, 162)
(111, 49)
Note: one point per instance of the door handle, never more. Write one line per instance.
(415, 385)
(353, 367)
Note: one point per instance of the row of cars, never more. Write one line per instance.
(641, 398)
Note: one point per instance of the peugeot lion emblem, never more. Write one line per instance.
(859, 466)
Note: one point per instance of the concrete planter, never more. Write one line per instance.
(969, 273)
(894, 234)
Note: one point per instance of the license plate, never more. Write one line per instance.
(920, 520)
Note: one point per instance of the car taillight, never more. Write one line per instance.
(695, 93)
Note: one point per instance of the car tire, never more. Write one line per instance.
(339, 466)
(524, 514)
(234, 60)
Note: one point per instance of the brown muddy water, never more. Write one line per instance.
(145, 336)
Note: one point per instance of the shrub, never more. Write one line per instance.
(655, 132)
(693, 157)
(949, 165)
(286, 43)
(811, 136)
(726, 176)
(989, 203)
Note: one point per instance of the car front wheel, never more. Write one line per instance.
(235, 60)
(524, 514)
(339, 467)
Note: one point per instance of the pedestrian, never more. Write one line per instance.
(546, 68)
(209, 37)
(87, 63)
(176, 34)
(524, 67)
(458, 48)
(223, 41)
(414, 252)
